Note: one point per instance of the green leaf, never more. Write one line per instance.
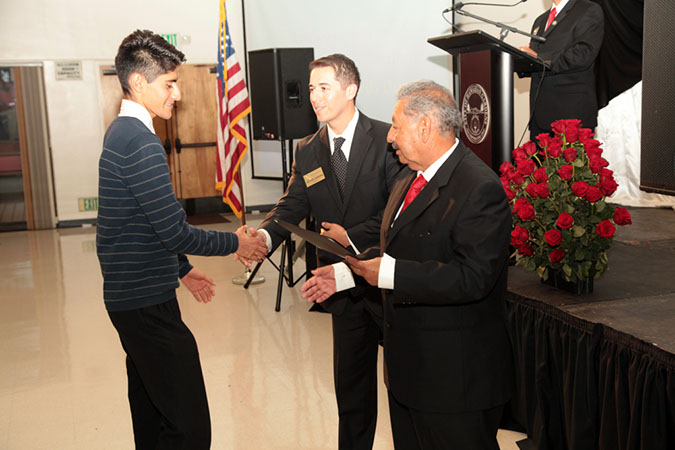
(578, 163)
(529, 264)
(600, 206)
(580, 254)
(567, 269)
(578, 231)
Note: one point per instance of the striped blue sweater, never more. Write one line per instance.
(141, 234)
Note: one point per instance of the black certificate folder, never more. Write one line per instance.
(321, 242)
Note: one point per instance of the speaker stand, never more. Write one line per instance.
(287, 247)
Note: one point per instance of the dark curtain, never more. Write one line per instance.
(586, 386)
(619, 63)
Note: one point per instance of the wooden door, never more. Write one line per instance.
(195, 116)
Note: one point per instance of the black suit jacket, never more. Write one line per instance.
(445, 341)
(572, 43)
(371, 172)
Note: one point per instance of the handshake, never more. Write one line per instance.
(252, 246)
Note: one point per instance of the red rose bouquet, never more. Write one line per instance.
(557, 191)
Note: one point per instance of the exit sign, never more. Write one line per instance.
(88, 204)
(171, 38)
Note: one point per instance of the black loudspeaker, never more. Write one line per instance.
(279, 80)
(657, 162)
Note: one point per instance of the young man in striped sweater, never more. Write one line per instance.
(142, 239)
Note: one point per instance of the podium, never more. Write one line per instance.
(486, 67)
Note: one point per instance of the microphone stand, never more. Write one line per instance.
(505, 29)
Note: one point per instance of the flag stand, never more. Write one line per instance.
(248, 277)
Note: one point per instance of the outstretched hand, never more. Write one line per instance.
(252, 246)
(200, 284)
(336, 232)
(320, 286)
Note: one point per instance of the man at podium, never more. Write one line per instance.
(573, 30)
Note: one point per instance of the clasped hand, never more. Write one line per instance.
(252, 246)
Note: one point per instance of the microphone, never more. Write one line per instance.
(459, 5)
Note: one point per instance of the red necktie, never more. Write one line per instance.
(414, 189)
(551, 17)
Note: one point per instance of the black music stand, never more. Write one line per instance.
(287, 247)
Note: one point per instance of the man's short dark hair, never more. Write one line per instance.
(345, 70)
(146, 53)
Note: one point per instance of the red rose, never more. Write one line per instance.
(606, 173)
(568, 127)
(597, 164)
(531, 189)
(516, 178)
(519, 236)
(593, 194)
(554, 147)
(605, 229)
(570, 154)
(544, 139)
(526, 212)
(565, 221)
(585, 134)
(580, 188)
(519, 204)
(530, 148)
(556, 255)
(510, 194)
(553, 237)
(592, 149)
(566, 172)
(542, 190)
(540, 175)
(607, 185)
(622, 216)
(526, 250)
(506, 168)
(519, 154)
(526, 167)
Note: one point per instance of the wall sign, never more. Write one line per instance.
(68, 70)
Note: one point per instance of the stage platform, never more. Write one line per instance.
(598, 370)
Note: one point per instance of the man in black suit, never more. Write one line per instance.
(343, 174)
(442, 269)
(573, 30)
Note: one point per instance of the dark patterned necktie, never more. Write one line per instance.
(339, 163)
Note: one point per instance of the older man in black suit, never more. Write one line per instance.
(343, 175)
(442, 269)
(573, 30)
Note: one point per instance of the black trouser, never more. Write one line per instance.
(356, 336)
(419, 430)
(167, 397)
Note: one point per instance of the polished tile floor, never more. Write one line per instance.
(62, 374)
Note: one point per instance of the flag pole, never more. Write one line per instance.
(242, 279)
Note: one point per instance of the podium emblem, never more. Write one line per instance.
(476, 113)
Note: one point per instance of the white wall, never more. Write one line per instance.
(386, 38)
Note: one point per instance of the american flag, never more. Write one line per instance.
(233, 107)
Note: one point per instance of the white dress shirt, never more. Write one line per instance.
(132, 109)
(343, 276)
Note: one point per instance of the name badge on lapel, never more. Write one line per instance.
(536, 31)
(314, 177)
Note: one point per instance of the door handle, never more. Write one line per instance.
(167, 146)
(179, 146)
